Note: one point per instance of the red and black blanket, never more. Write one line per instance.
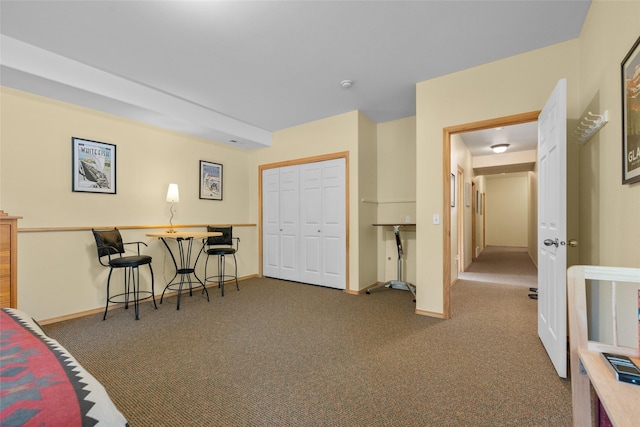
(41, 384)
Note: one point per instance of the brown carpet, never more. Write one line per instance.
(286, 354)
(503, 265)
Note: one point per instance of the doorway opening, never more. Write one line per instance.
(446, 170)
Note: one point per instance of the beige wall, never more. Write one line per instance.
(327, 136)
(609, 211)
(493, 90)
(609, 232)
(58, 273)
(396, 195)
(381, 180)
(367, 186)
(507, 210)
(36, 165)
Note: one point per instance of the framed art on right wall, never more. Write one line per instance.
(630, 68)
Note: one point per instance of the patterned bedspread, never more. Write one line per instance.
(41, 384)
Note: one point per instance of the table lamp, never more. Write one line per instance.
(173, 196)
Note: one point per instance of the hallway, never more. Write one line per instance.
(503, 265)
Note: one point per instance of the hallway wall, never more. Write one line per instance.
(515, 85)
(507, 210)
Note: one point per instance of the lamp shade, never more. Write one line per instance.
(499, 148)
(172, 193)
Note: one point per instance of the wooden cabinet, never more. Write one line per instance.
(8, 260)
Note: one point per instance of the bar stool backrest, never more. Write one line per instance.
(225, 239)
(108, 242)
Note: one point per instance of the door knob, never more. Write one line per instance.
(549, 242)
(572, 242)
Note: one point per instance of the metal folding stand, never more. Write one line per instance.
(399, 283)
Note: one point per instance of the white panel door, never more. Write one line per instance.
(304, 223)
(334, 252)
(322, 220)
(271, 222)
(552, 226)
(311, 223)
(289, 223)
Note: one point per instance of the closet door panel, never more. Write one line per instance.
(333, 263)
(310, 220)
(289, 222)
(334, 224)
(271, 223)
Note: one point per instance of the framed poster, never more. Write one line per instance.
(210, 180)
(93, 166)
(630, 68)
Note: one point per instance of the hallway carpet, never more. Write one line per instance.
(504, 265)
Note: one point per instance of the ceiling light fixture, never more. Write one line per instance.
(346, 84)
(499, 148)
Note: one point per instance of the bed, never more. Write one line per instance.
(42, 384)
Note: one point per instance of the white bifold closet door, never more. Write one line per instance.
(281, 224)
(304, 223)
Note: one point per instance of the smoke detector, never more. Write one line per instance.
(346, 84)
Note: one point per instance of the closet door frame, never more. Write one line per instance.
(340, 155)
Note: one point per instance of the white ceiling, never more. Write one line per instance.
(239, 70)
(523, 137)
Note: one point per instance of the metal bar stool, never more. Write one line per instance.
(221, 246)
(109, 244)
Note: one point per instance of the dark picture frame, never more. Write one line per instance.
(630, 77)
(93, 166)
(210, 180)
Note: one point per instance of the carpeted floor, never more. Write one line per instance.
(503, 265)
(286, 354)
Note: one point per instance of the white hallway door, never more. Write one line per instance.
(304, 223)
(552, 227)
